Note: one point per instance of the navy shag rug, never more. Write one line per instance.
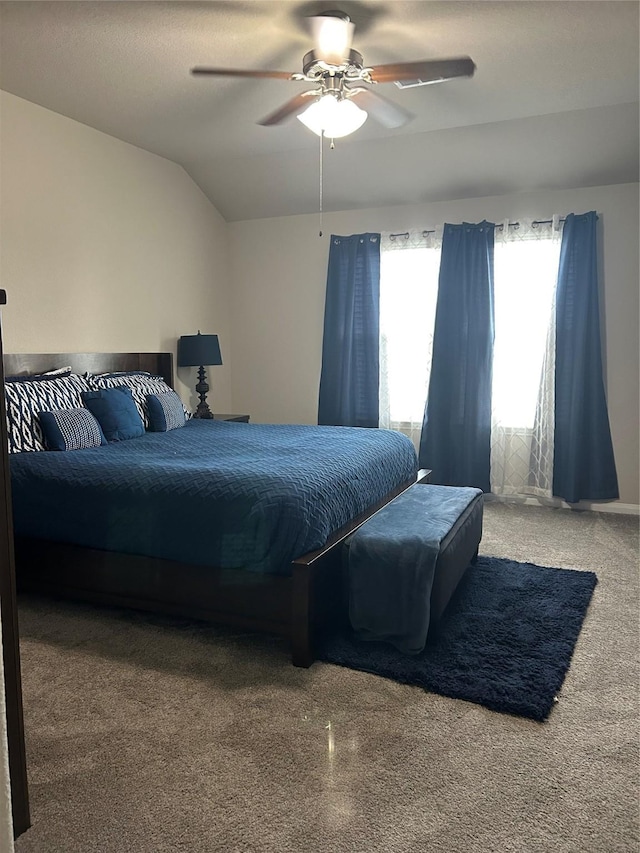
(505, 642)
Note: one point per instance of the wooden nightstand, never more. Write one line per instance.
(244, 419)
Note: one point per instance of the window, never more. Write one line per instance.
(408, 295)
(525, 272)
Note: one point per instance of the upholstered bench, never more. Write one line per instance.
(404, 564)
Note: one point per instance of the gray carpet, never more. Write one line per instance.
(146, 736)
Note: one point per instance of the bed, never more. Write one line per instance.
(229, 522)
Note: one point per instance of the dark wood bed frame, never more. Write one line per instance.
(10, 634)
(296, 605)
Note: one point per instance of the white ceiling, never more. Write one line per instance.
(553, 103)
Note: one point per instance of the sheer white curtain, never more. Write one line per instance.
(525, 274)
(409, 267)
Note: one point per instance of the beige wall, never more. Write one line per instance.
(104, 246)
(277, 300)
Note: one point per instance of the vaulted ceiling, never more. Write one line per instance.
(553, 103)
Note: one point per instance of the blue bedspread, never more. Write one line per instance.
(232, 495)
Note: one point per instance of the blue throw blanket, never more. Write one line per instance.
(391, 564)
(232, 495)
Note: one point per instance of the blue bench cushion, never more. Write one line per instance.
(391, 562)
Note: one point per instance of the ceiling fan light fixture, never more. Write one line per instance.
(332, 116)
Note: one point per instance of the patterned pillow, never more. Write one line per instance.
(26, 396)
(71, 429)
(142, 384)
(166, 411)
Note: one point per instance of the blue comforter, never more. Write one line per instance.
(232, 495)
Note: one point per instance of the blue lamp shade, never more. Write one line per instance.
(198, 350)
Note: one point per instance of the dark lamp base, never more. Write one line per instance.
(203, 411)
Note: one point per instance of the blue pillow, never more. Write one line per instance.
(70, 429)
(116, 413)
(165, 411)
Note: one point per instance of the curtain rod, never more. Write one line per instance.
(500, 226)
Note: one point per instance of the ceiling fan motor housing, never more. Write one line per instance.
(315, 68)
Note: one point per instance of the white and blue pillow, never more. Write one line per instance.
(27, 396)
(59, 390)
(71, 429)
(166, 411)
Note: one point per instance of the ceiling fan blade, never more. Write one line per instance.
(407, 74)
(294, 105)
(332, 36)
(239, 72)
(384, 111)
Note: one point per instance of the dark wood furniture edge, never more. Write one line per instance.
(158, 363)
(241, 419)
(10, 637)
(189, 596)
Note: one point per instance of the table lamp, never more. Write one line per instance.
(198, 351)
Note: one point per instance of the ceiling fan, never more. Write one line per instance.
(340, 104)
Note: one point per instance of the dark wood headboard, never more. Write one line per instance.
(158, 363)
